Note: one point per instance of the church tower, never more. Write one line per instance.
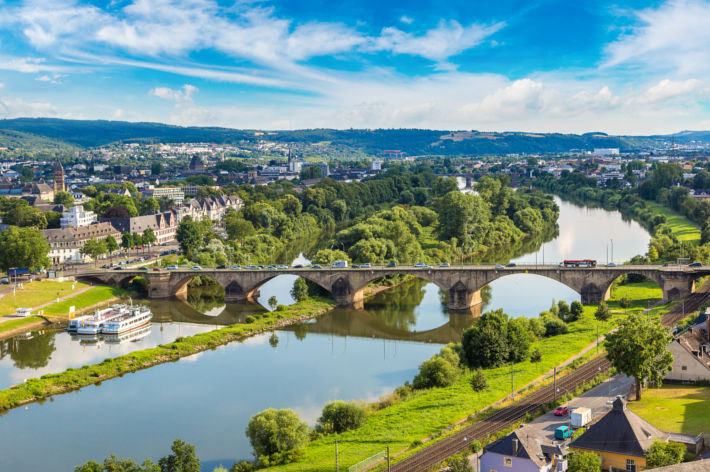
(59, 185)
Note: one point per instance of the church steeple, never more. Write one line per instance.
(59, 185)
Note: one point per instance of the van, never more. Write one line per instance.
(339, 265)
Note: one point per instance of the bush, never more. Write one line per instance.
(602, 313)
(575, 311)
(243, 466)
(661, 454)
(435, 372)
(584, 462)
(537, 327)
(535, 356)
(277, 436)
(555, 326)
(339, 416)
(249, 319)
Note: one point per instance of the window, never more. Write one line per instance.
(508, 462)
(630, 465)
(685, 367)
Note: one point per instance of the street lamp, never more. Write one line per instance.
(569, 413)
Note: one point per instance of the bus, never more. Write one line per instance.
(579, 263)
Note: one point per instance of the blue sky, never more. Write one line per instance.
(566, 66)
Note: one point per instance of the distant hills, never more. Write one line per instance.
(57, 133)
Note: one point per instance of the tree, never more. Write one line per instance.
(340, 416)
(479, 382)
(110, 244)
(190, 236)
(126, 240)
(460, 464)
(93, 248)
(584, 462)
(149, 236)
(639, 349)
(149, 205)
(277, 436)
(23, 247)
(602, 313)
(661, 454)
(63, 198)
(114, 464)
(535, 356)
(328, 256)
(575, 311)
(518, 336)
(183, 458)
(624, 302)
(435, 372)
(273, 302)
(299, 292)
(237, 227)
(563, 310)
(485, 344)
(156, 168)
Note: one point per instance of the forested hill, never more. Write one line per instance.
(84, 133)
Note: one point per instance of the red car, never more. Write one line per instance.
(156, 269)
(561, 411)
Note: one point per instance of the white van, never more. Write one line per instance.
(339, 265)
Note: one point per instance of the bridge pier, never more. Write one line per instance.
(462, 298)
(677, 287)
(160, 286)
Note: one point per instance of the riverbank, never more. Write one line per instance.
(74, 379)
(17, 326)
(405, 422)
(681, 227)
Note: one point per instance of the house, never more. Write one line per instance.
(517, 452)
(163, 225)
(65, 243)
(620, 438)
(692, 466)
(691, 352)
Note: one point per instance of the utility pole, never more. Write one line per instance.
(597, 337)
(337, 466)
(554, 384)
(388, 459)
(612, 250)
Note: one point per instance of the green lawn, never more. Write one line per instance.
(12, 324)
(641, 294)
(426, 413)
(677, 409)
(83, 300)
(34, 294)
(683, 229)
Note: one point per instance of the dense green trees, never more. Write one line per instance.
(23, 247)
(299, 291)
(441, 370)
(339, 416)
(63, 198)
(94, 248)
(639, 349)
(661, 454)
(182, 459)
(277, 436)
(584, 462)
(495, 340)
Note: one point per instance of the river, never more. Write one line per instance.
(207, 399)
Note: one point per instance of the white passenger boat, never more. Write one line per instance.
(93, 325)
(75, 322)
(137, 317)
(128, 336)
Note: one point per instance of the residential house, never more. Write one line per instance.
(175, 194)
(691, 352)
(213, 208)
(620, 438)
(65, 243)
(518, 452)
(164, 225)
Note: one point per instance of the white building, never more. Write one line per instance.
(376, 165)
(606, 151)
(76, 217)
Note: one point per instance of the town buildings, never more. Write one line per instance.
(65, 243)
(76, 216)
(176, 194)
(163, 225)
(518, 452)
(691, 352)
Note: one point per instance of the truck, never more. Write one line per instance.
(580, 417)
(18, 272)
(339, 264)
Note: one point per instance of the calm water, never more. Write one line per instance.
(207, 399)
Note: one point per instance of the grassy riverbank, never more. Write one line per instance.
(427, 413)
(18, 323)
(34, 294)
(73, 379)
(681, 227)
(84, 300)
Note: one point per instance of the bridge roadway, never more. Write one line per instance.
(462, 283)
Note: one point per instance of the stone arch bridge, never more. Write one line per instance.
(462, 283)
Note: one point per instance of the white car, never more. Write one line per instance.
(420, 265)
(172, 267)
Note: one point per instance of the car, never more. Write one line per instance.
(444, 264)
(316, 266)
(4, 281)
(235, 267)
(366, 265)
(156, 269)
(298, 266)
(561, 411)
(142, 268)
(106, 266)
(420, 265)
(282, 267)
(172, 267)
(391, 264)
(499, 266)
(196, 267)
(355, 266)
(271, 267)
(222, 266)
(510, 264)
(695, 264)
(118, 268)
(563, 432)
(611, 264)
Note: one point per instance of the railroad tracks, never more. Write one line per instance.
(509, 415)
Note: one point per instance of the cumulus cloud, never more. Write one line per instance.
(16, 107)
(668, 89)
(178, 96)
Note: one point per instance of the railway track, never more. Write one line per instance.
(505, 417)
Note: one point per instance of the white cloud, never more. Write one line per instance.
(46, 22)
(407, 20)
(674, 36)
(513, 100)
(53, 79)
(16, 107)
(1, 85)
(668, 89)
(179, 96)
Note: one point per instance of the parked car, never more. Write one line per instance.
(156, 269)
(444, 264)
(695, 264)
(366, 265)
(118, 268)
(196, 268)
(222, 266)
(282, 267)
(561, 411)
(271, 267)
(4, 281)
(298, 266)
(355, 266)
(172, 267)
(391, 264)
(563, 432)
(510, 264)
